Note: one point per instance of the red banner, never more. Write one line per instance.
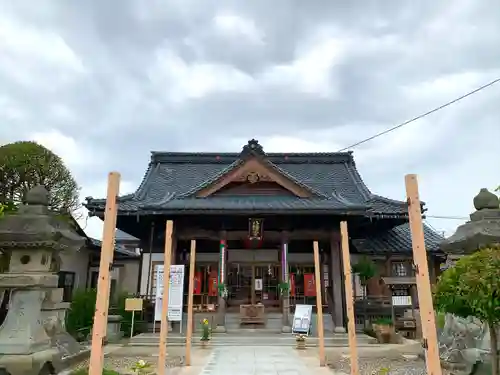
(197, 283)
(292, 284)
(309, 285)
(212, 284)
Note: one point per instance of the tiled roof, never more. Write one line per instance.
(120, 249)
(396, 240)
(124, 236)
(173, 177)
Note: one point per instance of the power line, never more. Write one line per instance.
(447, 217)
(421, 116)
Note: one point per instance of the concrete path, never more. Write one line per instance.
(245, 360)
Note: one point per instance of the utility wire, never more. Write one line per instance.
(421, 116)
(447, 217)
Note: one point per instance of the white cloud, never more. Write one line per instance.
(182, 81)
(74, 154)
(312, 71)
(237, 26)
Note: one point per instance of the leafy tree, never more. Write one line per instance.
(26, 164)
(472, 288)
(366, 269)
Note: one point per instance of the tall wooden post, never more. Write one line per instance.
(423, 282)
(189, 332)
(162, 356)
(319, 304)
(349, 300)
(103, 283)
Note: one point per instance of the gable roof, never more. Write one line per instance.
(173, 177)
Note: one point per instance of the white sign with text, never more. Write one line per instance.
(175, 293)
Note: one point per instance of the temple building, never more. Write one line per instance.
(255, 215)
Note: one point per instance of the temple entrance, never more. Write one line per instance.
(253, 283)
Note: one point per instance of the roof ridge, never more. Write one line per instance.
(229, 157)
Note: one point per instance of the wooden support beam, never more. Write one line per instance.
(319, 304)
(349, 300)
(162, 355)
(422, 273)
(103, 283)
(189, 333)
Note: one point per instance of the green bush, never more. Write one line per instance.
(384, 322)
(80, 316)
(472, 288)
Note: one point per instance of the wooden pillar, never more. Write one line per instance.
(351, 323)
(162, 356)
(189, 333)
(103, 283)
(319, 304)
(336, 280)
(221, 314)
(422, 275)
(285, 297)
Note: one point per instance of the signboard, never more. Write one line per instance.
(175, 294)
(302, 319)
(258, 284)
(133, 304)
(255, 229)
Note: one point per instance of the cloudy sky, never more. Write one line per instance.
(102, 83)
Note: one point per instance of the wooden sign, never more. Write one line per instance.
(133, 304)
(255, 229)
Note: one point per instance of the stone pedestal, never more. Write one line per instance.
(33, 337)
(114, 328)
(221, 316)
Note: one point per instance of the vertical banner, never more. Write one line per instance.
(292, 285)
(309, 285)
(222, 261)
(284, 262)
(212, 284)
(197, 282)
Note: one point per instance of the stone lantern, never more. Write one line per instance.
(464, 343)
(33, 338)
(482, 230)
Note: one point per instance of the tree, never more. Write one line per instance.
(26, 164)
(472, 288)
(365, 268)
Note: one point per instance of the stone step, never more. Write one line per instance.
(251, 339)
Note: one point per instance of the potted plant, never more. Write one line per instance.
(300, 341)
(205, 333)
(384, 330)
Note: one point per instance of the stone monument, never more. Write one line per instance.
(464, 344)
(33, 337)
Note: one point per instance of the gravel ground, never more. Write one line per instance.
(123, 364)
(375, 366)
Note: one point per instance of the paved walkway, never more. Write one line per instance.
(245, 360)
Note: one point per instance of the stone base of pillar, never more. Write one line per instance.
(339, 330)
(169, 324)
(286, 329)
